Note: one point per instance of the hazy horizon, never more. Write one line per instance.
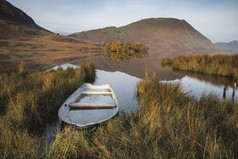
(215, 19)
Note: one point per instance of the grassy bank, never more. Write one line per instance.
(29, 101)
(169, 125)
(222, 65)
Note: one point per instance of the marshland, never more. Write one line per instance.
(168, 124)
(221, 65)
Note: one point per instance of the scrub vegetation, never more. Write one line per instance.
(118, 51)
(222, 65)
(169, 125)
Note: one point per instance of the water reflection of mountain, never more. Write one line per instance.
(137, 67)
(195, 82)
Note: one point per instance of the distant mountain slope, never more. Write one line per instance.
(231, 46)
(10, 13)
(164, 36)
(22, 40)
(15, 23)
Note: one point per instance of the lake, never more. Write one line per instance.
(193, 83)
(124, 75)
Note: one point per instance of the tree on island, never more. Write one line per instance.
(118, 51)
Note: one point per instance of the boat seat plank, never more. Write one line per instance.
(92, 105)
(96, 92)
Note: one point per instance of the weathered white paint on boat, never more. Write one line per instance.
(89, 93)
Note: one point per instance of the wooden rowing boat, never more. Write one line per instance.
(89, 105)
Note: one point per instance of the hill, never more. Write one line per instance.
(23, 41)
(232, 46)
(15, 23)
(164, 36)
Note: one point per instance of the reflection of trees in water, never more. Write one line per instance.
(116, 57)
(119, 51)
(110, 65)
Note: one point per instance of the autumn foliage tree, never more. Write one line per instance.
(118, 51)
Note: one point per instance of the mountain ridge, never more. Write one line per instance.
(11, 13)
(23, 41)
(164, 36)
(16, 23)
(231, 47)
(232, 44)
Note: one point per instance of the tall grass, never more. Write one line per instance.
(190, 128)
(29, 101)
(169, 125)
(222, 65)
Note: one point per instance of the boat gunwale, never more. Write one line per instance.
(78, 92)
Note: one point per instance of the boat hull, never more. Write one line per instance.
(72, 111)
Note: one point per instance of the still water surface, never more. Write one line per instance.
(197, 87)
(123, 76)
(125, 84)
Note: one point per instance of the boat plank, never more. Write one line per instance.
(96, 93)
(92, 105)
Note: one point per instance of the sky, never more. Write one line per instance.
(215, 19)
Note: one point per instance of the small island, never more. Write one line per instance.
(119, 51)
